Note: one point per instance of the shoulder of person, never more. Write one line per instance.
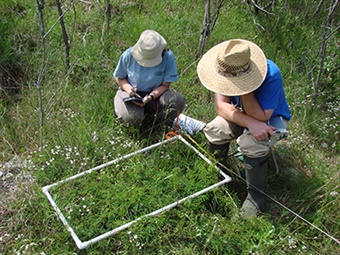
(126, 56)
(168, 54)
(273, 74)
(127, 52)
(272, 67)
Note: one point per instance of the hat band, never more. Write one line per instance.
(232, 71)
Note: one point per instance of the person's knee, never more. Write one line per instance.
(131, 119)
(218, 132)
(252, 148)
(180, 101)
(173, 100)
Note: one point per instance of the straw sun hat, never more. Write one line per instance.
(233, 68)
(148, 49)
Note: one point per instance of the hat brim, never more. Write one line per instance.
(143, 59)
(233, 85)
(145, 62)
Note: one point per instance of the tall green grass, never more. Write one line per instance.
(80, 132)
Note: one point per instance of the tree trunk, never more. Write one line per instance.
(65, 36)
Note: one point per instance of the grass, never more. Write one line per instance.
(132, 188)
(81, 132)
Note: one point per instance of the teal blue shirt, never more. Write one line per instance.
(146, 79)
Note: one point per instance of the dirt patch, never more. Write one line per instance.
(13, 173)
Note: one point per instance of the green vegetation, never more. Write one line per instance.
(58, 120)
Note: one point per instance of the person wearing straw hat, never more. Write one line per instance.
(144, 74)
(251, 107)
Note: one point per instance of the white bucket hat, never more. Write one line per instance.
(233, 68)
(148, 49)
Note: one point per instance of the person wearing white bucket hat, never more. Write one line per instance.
(144, 74)
(251, 107)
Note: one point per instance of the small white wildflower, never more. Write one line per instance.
(94, 136)
(19, 236)
(334, 193)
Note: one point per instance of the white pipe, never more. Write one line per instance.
(110, 162)
(82, 245)
(204, 157)
(78, 242)
(154, 213)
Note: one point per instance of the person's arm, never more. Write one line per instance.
(126, 86)
(258, 128)
(252, 107)
(157, 92)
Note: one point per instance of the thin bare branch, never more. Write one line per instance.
(318, 7)
(257, 7)
(108, 15)
(325, 37)
(253, 16)
(208, 25)
(41, 6)
(58, 89)
(63, 29)
(56, 22)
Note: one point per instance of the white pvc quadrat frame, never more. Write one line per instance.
(80, 244)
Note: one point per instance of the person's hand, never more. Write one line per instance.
(146, 100)
(138, 104)
(132, 91)
(261, 131)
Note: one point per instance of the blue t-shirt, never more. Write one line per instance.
(146, 79)
(270, 94)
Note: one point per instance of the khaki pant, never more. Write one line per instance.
(220, 131)
(163, 109)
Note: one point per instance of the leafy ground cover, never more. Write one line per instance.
(57, 120)
(115, 195)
